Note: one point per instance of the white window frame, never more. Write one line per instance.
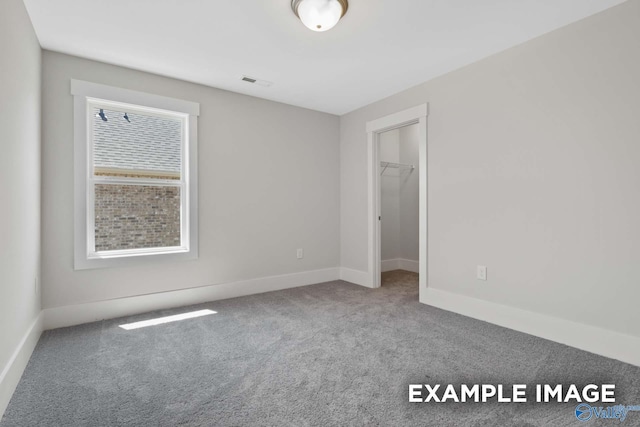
(91, 95)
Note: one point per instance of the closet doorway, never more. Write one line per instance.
(397, 158)
(399, 208)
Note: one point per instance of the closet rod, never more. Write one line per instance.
(391, 165)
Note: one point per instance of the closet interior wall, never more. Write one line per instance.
(399, 199)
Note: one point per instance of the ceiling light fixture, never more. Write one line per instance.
(319, 15)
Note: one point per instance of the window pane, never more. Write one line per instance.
(131, 144)
(136, 216)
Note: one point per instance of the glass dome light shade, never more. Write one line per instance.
(319, 15)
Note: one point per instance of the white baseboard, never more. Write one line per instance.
(389, 265)
(410, 265)
(615, 345)
(357, 277)
(59, 317)
(400, 264)
(12, 372)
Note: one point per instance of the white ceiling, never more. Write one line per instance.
(379, 48)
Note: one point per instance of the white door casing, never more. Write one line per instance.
(416, 115)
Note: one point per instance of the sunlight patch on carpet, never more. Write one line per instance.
(167, 319)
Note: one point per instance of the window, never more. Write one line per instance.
(135, 176)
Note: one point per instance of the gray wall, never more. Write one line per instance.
(409, 140)
(533, 171)
(19, 177)
(390, 196)
(268, 178)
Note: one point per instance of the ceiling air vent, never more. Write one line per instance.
(255, 81)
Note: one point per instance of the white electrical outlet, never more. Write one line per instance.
(300, 254)
(482, 272)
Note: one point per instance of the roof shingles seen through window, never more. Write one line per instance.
(146, 143)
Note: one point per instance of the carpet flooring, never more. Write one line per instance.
(332, 354)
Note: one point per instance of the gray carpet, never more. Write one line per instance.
(332, 354)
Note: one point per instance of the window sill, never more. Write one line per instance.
(134, 257)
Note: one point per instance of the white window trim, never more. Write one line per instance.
(85, 94)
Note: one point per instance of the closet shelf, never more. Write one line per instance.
(386, 165)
